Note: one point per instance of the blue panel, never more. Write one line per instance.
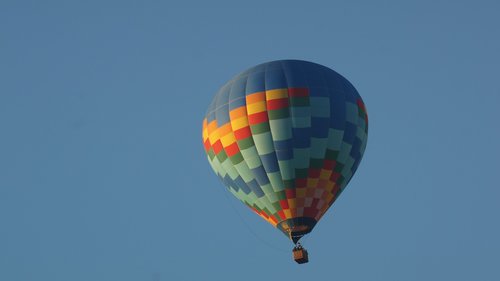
(314, 76)
(211, 110)
(294, 74)
(301, 137)
(334, 80)
(284, 154)
(238, 88)
(355, 150)
(284, 144)
(211, 116)
(337, 110)
(229, 182)
(318, 92)
(260, 175)
(275, 79)
(241, 184)
(237, 94)
(349, 132)
(270, 162)
(233, 104)
(255, 69)
(319, 127)
(254, 186)
(222, 106)
(255, 83)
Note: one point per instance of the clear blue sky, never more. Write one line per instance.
(103, 174)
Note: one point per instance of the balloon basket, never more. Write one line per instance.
(300, 255)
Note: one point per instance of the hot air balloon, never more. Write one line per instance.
(286, 137)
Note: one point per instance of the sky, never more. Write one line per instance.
(103, 175)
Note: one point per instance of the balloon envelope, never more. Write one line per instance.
(285, 137)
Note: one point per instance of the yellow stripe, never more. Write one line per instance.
(288, 214)
(239, 123)
(329, 186)
(311, 183)
(228, 140)
(325, 174)
(256, 107)
(205, 134)
(300, 192)
(276, 94)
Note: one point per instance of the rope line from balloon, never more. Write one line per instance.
(243, 220)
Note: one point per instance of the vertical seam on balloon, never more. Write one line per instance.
(239, 148)
(292, 167)
(324, 149)
(264, 199)
(282, 192)
(258, 154)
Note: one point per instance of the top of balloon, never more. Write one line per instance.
(285, 137)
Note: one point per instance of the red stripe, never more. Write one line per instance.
(232, 149)
(284, 204)
(277, 104)
(206, 144)
(335, 176)
(335, 190)
(361, 105)
(274, 219)
(217, 147)
(290, 193)
(314, 173)
(310, 212)
(298, 92)
(242, 133)
(315, 203)
(257, 118)
(282, 214)
(300, 183)
(329, 164)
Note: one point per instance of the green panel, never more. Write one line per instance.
(222, 156)
(287, 169)
(301, 173)
(320, 107)
(278, 114)
(299, 101)
(281, 129)
(237, 158)
(301, 158)
(281, 195)
(316, 163)
(244, 172)
(289, 183)
(253, 162)
(276, 181)
(259, 128)
(264, 143)
(245, 143)
(301, 122)
(318, 147)
(344, 152)
(211, 154)
(335, 139)
(351, 112)
(331, 154)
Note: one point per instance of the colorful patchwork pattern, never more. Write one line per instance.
(286, 137)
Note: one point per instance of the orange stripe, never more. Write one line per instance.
(225, 129)
(256, 97)
(238, 112)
